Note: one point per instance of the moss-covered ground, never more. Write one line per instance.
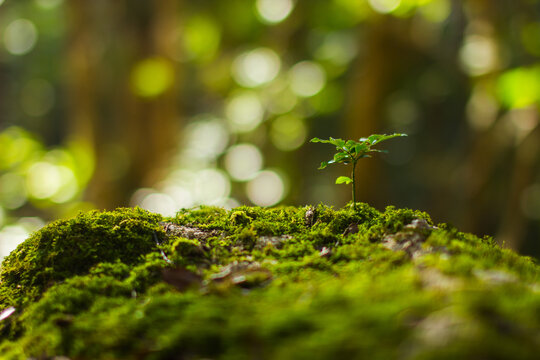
(278, 283)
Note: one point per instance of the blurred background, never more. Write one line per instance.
(172, 104)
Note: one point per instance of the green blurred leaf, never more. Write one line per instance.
(519, 87)
(343, 180)
(324, 164)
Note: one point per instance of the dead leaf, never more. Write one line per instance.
(181, 278)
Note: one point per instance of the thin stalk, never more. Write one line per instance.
(353, 185)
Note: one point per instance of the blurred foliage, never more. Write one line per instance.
(174, 104)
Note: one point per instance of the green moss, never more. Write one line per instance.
(278, 283)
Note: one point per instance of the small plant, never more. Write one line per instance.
(350, 151)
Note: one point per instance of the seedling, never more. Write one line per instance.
(350, 151)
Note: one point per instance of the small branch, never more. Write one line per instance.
(353, 184)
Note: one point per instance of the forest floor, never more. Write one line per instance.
(266, 283)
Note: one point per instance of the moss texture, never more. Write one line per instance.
(278, 283)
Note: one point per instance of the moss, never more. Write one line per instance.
(286, 282)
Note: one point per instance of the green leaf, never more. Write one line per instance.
(361, 148)
(339, 143)
(341, 157)
(343, 179)
(377, 138)
(324, 164)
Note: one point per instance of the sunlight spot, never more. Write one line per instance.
(339, 48)
(68, 186)
(212, 186)
(478, 54)
(519, 87)
(37, 97)
(181, 196)
(20, 37)
(43, 180)
(288, 132)
(206, 137)
(256, 67)
(274, 11)
(244, 111)
(243, 161)
(384, 6)
(307, 78)
(266, 189)
(10, 237)
(12, 191)
(279, 98)
(139, 195)
(31, 223)
(152, 77)
(159, 203)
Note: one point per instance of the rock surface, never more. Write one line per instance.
(277, 283)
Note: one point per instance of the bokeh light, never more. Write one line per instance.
(68, 186)
(266, 189)
(479, 54)
(152, 77)
(436, 11)
(201, 38)
(159, 203)
(10, 237)
(279, 98)
(357, 10)
(337, 47)
(288, 132)
(185, 189)
(43, 180)
(180, 194)
(519, 87)
(384, 6)
(20, 37)
(274, 11)
(205, 137)
(13, 192)
(212, 187)
(243, 161)
(256, 67)
(244, 111)
(307, 78)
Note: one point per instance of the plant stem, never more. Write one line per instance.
(353, 185)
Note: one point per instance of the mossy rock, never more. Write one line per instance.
(277, 283)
